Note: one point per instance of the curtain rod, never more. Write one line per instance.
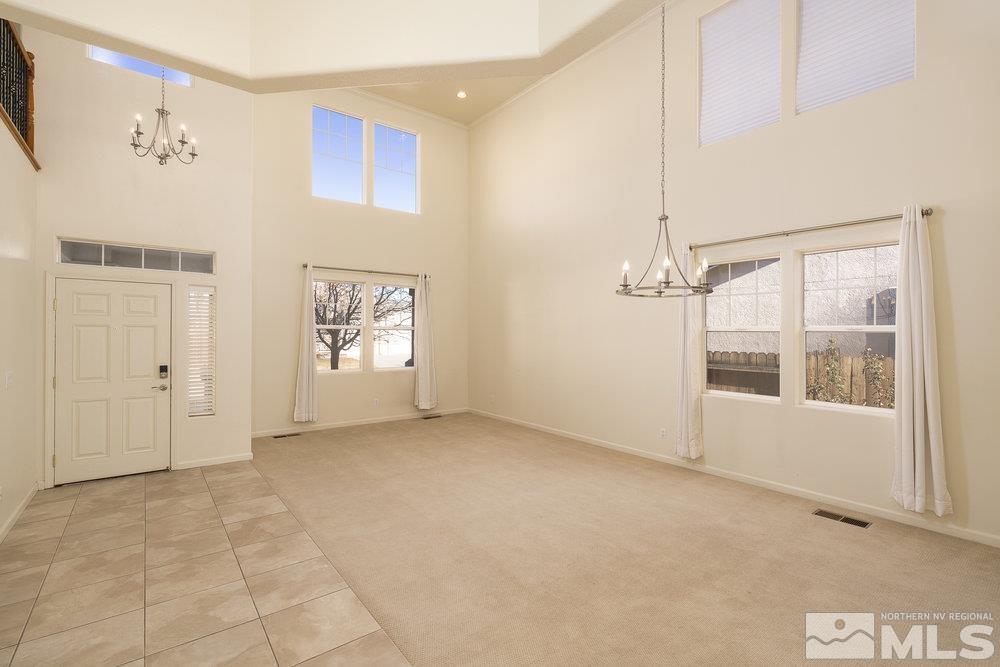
(383, 273)
(926, 212)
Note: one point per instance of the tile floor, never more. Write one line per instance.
(200, 566)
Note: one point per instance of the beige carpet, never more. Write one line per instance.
(474, 541)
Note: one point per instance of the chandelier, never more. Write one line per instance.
(665, 286)
(161, 145)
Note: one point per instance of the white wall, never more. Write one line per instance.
(17, 333)
(565, 186)
(93, 187)
(291, 227)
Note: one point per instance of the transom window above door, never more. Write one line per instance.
(95, 253)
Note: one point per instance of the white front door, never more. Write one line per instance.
(112, 406)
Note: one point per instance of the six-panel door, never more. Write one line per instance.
(112, 406)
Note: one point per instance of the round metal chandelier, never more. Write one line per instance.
(167, 149)
(664, 287)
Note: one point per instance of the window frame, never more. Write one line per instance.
(802, 329)
(706, 329)
(374, 328)
(368, 282)
(366, 158)
(417, 165)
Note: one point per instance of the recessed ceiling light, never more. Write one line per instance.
(461, 95)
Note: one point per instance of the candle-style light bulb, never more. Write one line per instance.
(659, 276)
(138, 118)
(704, 266)
(625, 270)
(666, 268)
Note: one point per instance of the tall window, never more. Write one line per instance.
(392, 315)
(201, 351)
(395, 169)
(138, 65)
(742, 324)
(740, 68)
(338, 156)
(362, 325)
(849, 47)
(339, 309)
(850, 325)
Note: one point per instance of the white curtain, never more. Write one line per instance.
(306, 400)
(425, 391)
(689, 368)
(919, 440)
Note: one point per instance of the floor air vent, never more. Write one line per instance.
(430, 416)
(286, 435)
(842, 519)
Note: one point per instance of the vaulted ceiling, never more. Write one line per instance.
(419, 52)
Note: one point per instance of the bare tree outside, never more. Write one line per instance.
(340, 313)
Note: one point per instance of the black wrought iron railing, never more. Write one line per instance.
(17, 74)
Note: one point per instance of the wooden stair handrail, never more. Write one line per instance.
(26, 143)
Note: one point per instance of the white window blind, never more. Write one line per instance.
(201, 351)
(848, 47)
(740, 68)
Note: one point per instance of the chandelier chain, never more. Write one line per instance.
(663, 109)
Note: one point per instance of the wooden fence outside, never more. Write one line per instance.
(757, 373)
(857, 389)
(744, 372)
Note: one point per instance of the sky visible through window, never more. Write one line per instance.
(337, 156)
(395, 169)
(137, 65)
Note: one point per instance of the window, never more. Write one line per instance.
(740, 68)
(363, 325)
(94, 253)
(850, 325)
(849, 47)
(201, 351)
(339, 308)
(338, 156)
(395, 169)
(137, 65)
(392, 315)
(742, 325)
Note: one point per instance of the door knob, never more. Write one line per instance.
(161, 387)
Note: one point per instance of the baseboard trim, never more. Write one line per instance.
(901, 516)
(18, 511)
(354, 422)
(200, 463)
